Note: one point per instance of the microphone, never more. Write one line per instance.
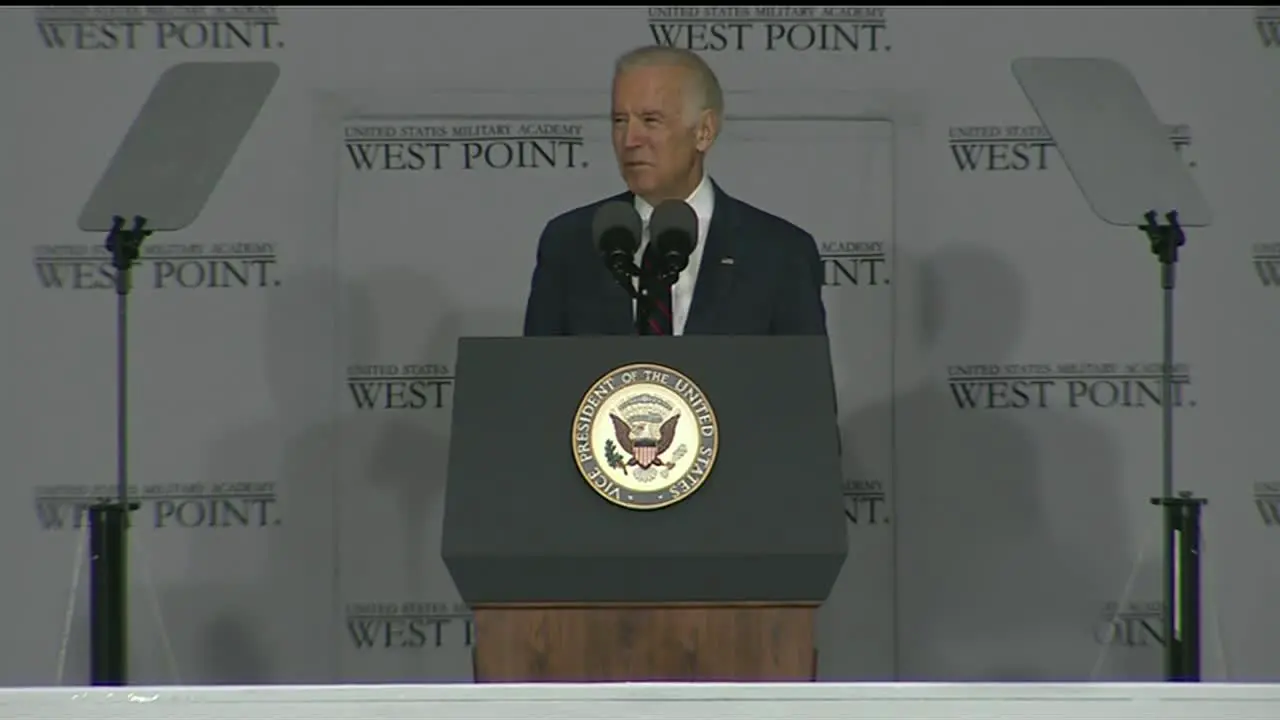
(674, 230)
(616, 230)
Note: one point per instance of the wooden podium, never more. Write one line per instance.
(567, 587)
(741, 642)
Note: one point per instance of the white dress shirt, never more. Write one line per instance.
(703, 202)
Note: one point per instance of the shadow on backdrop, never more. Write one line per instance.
(272, 620)
(400, 455)
(331, 458)
(409, 457)
(1007, 521)
(403, 447)
(855, 625)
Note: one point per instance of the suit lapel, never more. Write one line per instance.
(715, 277)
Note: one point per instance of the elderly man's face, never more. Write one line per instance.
(658, 146)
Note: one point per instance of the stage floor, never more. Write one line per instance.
(1112, 701)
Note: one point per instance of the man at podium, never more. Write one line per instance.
(748, 272)
(629, 527)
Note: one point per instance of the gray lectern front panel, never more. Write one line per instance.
(522, 525)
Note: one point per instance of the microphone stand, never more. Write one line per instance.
(662, 281)
(624, 270)
(623, 273)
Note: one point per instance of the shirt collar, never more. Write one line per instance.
(701, 200)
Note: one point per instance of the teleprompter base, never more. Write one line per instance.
(638, 643)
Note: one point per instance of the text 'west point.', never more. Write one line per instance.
(1066, 385)
(513, 146)
(771, 28)
(160, 28)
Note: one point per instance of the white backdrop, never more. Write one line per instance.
(289, 433)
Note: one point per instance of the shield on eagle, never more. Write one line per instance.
(640, 442)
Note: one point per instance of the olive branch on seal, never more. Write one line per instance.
(612, 457)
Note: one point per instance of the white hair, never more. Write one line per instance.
(702, 93)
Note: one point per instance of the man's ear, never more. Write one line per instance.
(708, 129)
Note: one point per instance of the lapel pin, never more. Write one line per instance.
(726, 261)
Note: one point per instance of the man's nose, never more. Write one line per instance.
(634, 136)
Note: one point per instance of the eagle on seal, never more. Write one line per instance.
(644, 449)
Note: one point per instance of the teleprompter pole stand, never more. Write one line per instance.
(1182, 590)
(219, 101)
(1181, 511)
(109, 519)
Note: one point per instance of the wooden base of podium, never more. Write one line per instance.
(638, 643)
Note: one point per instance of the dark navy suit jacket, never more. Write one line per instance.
(760, 275)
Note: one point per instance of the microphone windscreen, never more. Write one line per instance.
(616, 220)
(675, 225)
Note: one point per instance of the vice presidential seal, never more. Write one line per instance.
(645, 437)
